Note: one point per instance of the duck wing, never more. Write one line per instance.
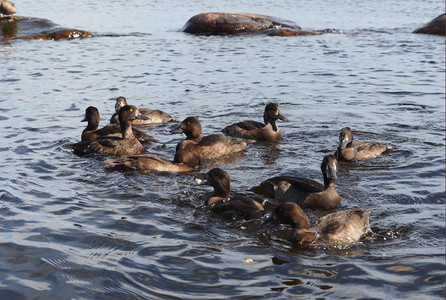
(367, 149)
(156, 116)
(292, 189)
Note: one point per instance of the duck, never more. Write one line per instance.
(358, 150)
(185, 160)
(222, 202)
(127, 144)
(91, 132)
(253, 130)
(338, 228)
(154, 116)
(7, 8)
(307, 192)
(208, 147)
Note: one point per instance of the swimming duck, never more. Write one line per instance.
(208, 147)
(253, 130)
(358, 150)
(154, 116)
(342, 227)
(185, 160)
(306, 192)
(7, 8)
(91, 132)
(127, 144)
(228, 205)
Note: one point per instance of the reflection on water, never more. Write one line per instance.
(73, 228)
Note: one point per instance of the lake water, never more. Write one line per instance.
(72, 229)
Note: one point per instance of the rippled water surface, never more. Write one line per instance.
(72, 229)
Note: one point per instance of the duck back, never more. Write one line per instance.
(115, 146)
(343, 227)
(238, 207)
(363, 150)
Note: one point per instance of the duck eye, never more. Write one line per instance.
(131, 109)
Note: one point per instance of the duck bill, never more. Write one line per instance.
(84, 119)
(282, 117)
(177, 130)
(143, 117)
(343, 144)
(201, 179)
(117, 107)
(268, 223)
(332, 173)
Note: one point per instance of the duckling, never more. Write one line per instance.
(208, 147)
(358, 150)
(127, 144)
(7, 8)
(223, 203)
(253, 130)
(185, 160)
(154, 116)
(91, 132)
(337, 228)
(306, 192)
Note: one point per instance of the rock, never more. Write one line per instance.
(66, 34)
(26, 28)
(437, 26)
(217, 23)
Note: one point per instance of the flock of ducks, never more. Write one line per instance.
(122, 144)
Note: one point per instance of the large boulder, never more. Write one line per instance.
(437, 26)
(217, 23)
(27, 28)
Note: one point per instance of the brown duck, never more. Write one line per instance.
(226, 204)
(337, 228)
(153, 116)
(358, 150)
(253, 130)
(307, 192)
(208, 147)
(184, 161)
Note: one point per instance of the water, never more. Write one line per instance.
(71, 228)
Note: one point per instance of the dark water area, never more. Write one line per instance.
(71, 228)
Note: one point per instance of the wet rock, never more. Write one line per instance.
(437, 26)
(64, 34)
(217, 23)
(26, 28)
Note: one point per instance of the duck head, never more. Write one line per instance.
(286, 213)
(191, 127)
(220, 181)
(92, 117)
(345, 137)
(272, 114)
(120, 102)
(127, 114)
(290, 213)
(329, 167)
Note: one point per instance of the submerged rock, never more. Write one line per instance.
(437, 26)
(219, 23)
(27, 28)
